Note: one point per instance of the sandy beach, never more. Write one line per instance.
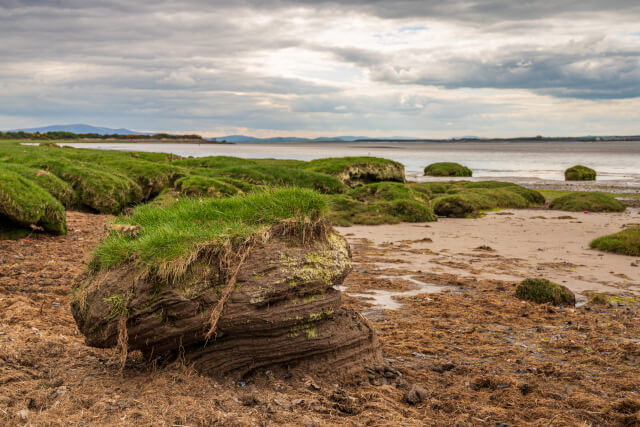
(511, 245)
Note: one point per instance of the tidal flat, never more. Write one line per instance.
(442, 337)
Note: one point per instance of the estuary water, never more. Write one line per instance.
(617, 162)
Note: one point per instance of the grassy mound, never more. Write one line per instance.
(196, 185)
(171, 238)
(447, 169)
(24, 203)
(579, 173)
(51, 183)
(380, 203)
(283, 176)
(625, 242)
(97, 189)
(466, 199)
(585, 201)
(545, 291)
(355, 171)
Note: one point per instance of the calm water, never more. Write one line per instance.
(614, 161)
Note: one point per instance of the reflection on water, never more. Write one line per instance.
(614, 160)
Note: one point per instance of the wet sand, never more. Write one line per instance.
(512, 245)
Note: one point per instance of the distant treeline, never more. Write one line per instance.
(61, 135)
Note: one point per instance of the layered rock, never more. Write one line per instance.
(283, 310)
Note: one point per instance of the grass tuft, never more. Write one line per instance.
(545, 291)
(625, 242)
(173, 237)
(25, 203)
(447, 169)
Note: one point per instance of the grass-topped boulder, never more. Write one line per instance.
(355, 171)
(24, 203)
(545, 291)
(587, 201)
(235, 284)
(625, 242)
(579, 173)
(447, 169)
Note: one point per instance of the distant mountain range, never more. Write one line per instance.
(81, 128)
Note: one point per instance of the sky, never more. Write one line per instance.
(377, 68)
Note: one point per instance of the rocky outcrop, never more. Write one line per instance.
(362, 173)
(283, 310)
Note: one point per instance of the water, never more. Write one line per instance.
(615, 161)
(385, 300)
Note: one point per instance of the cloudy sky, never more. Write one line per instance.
(427, 68)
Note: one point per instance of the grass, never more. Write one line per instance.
(355, 171)
(544, 291)
(380, 203)
(197, 185)
(625, 242)
(579, 173)
(447, 169)
(280, 176)
(25, 203)
(468, 199)
(49, 182)
(173, 237)
(587, 201)
(360, 190)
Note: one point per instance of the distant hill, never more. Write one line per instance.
(81, 128)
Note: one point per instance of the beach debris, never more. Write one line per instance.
(416, 395)
(126, 230)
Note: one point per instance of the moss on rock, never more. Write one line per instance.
(447, 169)
(579, 173)
(545, 291)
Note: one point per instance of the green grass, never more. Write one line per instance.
(380, 203)
(625, 242)
(579, 173)
(355, 171)
(196, 185)
(447, 169)
(544, 291)
(25, 203)
(281, 176)
(49, 182)
(173, 237)
(587, 201)
(468, 199)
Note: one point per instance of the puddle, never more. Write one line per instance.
(385, 300)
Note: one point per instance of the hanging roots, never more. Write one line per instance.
(122, 348)
(237, 263)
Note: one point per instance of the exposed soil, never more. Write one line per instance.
(473, 354)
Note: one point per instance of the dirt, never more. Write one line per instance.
(473, 356)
